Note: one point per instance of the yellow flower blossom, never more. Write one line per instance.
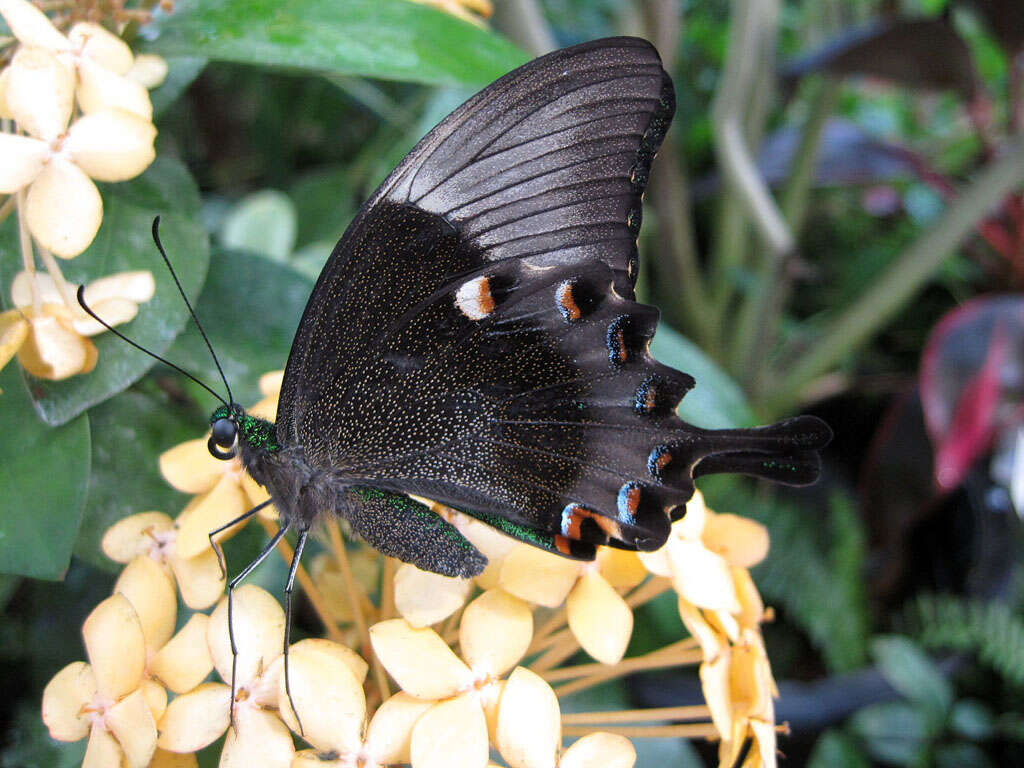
(54, 164)
(154, 535)
(494, 634)
(50, 339)
(199, 717)
(109, 700)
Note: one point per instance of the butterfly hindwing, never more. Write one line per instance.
(474, 336)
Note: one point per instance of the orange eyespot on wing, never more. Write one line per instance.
(474, 298)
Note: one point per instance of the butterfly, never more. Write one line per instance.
(475, 338)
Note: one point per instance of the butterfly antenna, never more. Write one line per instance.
(105, 324)
(192, 312)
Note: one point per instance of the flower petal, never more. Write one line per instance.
(656, 562)
(25, 283)
(14, 330)
(751, 607)
(51, 351)
(490, 542)
(99, 88)
(270, 382)
(450, 733)
(620, 568)
(538, 576)
(741, 541)
(332, 653)
(423, 598)
(111, 145)
(196, 719)
(103, 47)
(39, 93)
(116, 646)
(63, 208)
(151, 592)
(149, 70)
(714, 682)
(103, 751)
(132, 536)
(765, 737)
(599, 750)
(190, 468)
(711, 641)
(208, 512)
(113, 312)
(258, 738)
(258, 621)
(23, 159)
(327, 696)
(495, 631)
(5, 113)
(599, 618)
(389, 734)
(701, 576)
(185, 661)
(63, 698)
(529, 721)
(200, 579)
(691, 525)
(31, 26)
(137, 286)
(132, 724)
(156, 698)
(419, 660)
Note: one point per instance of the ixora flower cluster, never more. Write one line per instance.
(73, 108)
(415, 668)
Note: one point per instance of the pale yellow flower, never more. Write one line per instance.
(327, 688)
(97, 61)
(55, 164)
(52, 341)
(154, 535)
(109, 699)
(199, 717)
(495, 631)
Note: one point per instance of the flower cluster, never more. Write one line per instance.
(73, 108)
(480, 663)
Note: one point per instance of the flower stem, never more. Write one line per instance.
(691, 731)
(27, 259)
(7, 207)
(338, 548)
(315, 597)
(650, 589)
(387, 588)
(63, 287)
(675, 655)
(692, 712)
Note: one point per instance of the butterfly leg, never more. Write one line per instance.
(398, 526)
(231, 592)
(216, 547)
(300, 544)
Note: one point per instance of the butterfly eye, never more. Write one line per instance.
(225, 434)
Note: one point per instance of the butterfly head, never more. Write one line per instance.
(231, 427)
(225, 424)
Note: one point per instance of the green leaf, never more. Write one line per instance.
(263, 222)
(390, 39)
(129, 432)
(325, 202)
(250, 308)
(717, 402)
(962, 755)
(835, 749)
(44, 474)
(181, 72)
(910, 671)
(893, 733)
(124, 242)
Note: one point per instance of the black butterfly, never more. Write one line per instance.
(474, 338)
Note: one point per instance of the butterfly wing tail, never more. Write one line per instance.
(785, 452)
